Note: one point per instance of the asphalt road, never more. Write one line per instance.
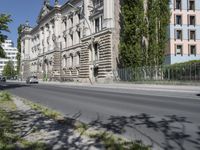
(165, 119)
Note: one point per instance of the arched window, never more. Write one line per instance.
(78, 58)
(77, 72)
(64, 61)
(71, 59)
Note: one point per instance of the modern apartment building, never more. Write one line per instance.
(76, 41)
(11, 53)
(184, 31)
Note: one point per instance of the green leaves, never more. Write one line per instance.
(2, 53)
(4, 20)
(143, 32)
(132, 32)
(9, 70)
(19, 47)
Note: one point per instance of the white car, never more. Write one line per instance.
(32, 79)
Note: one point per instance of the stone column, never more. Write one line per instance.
(58, 23)
(108, 14)
(50, 36)
(87, 14)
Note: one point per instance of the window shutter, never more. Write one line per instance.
(175, 49)
(175, 34)
(189, 51)
(174, 19)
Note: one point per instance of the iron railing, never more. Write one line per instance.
(183, 72)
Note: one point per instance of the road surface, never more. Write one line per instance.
(166, 118)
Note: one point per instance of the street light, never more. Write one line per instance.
(92, 38)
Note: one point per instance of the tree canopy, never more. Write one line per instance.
(19, 48)
(9, 69)
(4, 20)
(143, 32)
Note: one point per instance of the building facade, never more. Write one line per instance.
(76, 41)
(11, 53)
(184, 31)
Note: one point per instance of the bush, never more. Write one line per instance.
(5, 96)
(183, 71)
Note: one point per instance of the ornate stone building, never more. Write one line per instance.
(77, 41)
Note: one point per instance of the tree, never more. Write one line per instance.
(19, 47)
(4, 20)
(132, 30)
(9, 69)
(158, 14)
(144, 32)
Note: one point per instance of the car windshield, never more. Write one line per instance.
(34, 77)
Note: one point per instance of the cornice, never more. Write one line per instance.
(66, 4)
(49, 15)
(34, 29)
(94, 35)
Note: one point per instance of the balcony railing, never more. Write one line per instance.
(98, 4)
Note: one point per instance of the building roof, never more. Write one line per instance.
(46, 8)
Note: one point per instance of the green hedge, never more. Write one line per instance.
(183, 71)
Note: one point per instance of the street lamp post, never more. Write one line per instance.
(92, 38)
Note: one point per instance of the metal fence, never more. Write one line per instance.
(183, 72)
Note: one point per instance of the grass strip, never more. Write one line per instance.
(111, 141)
(8, 138)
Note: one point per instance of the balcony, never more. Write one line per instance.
(97, 3)
(71, 31)
(97, 7)
(65, 33)
(78, 27)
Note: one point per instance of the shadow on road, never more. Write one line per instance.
(34, 126)
(6, 86)
(173, 129)
(61, 134)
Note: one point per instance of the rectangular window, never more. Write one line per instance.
(79, 35)
(192, 34)
(178, 4)
(65, 41)
(96, 52)
(97, 25)
(72, 38)
(179, 49)
(178, 19)
(192, 20)
(65, 24)
(72, 20)
(192, 49)
(191, 5)
(179, 34)
(79, 17)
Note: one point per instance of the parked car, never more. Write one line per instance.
(32, 79)
(2, 79)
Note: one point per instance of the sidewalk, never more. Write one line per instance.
(131, 86)
(34, 126)
(128, 86)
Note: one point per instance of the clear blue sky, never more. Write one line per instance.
(20, 11)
